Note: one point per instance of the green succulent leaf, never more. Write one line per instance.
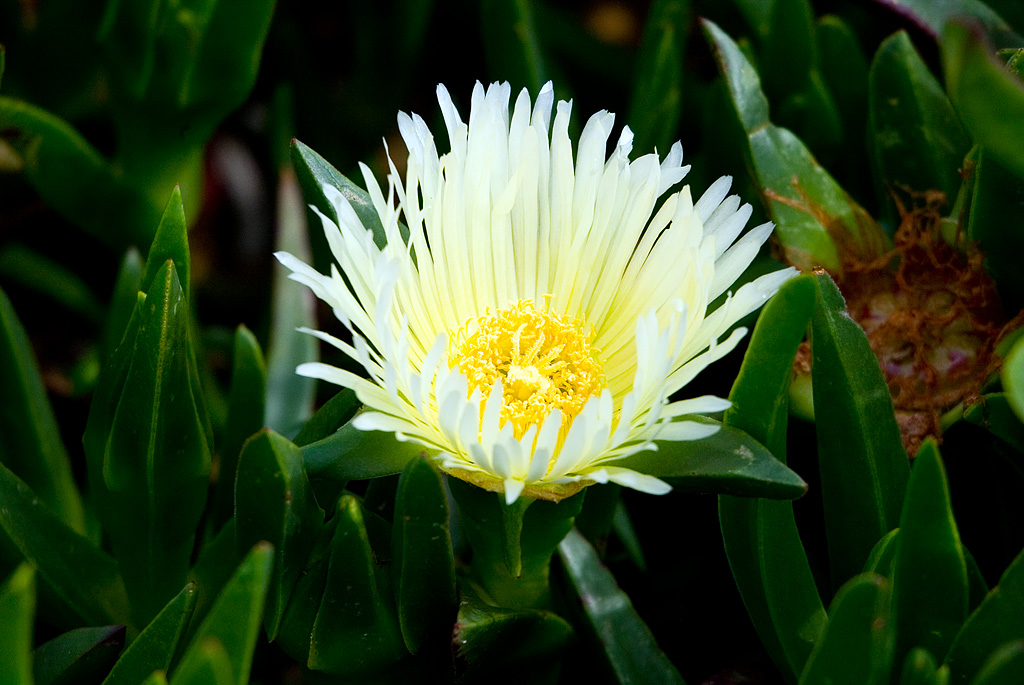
(313, 172)
(170, 243)
(156, 678)
(356, 629)
(1005, 665)
(17, 609)
(72, 177)
(930, 588)
(155, 462)
(334, 414)
(883, 555)
(656, 102)
(994, 623)
(844, 71)
(932, 17)
(296, 629)
(975, 81)
(199, 59)
(423, 565)
(1013, 378)
(30, 443)
(81, 655)
(352, 454)
(155, 646)
(996, 193)
(919, 668)
(994, 412)
(811, 210)
(762, 542)
(84, 577)
(217, 562)
(123, 301)
(626, 640)
(32, 269)
(290, 397)
(917, 139)
(856, 645)
(513, 544)
(511, 45)
(862, 462)
(208, 664)
(234, 620)
(245, 417)
(499, 643)
(274, 502)
(727, 462)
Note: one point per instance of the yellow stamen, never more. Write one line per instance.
(543, 360)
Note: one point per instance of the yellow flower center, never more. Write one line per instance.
(543, 360)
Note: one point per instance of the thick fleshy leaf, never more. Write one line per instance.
(217, 562)
(930, 574)
(78, 656)
(844, 73)
(17, 610)
(201, 62)
(511, 45)
(656, 103)
(1005, 665)
(761, 539)
(155, 646)
(810, 209)
(932, 17)
(423, 566)
(156, 461)
(122, 301)
(917, 140)
(32, 269)
(71, 177)
(728, 462)
(513, 544)
(274, 502)
(313, 172)
(976, 82)
(30, 443)
(234, 620)
(994, 413)
(992, 624)
(1013, 378)
(862, 462)
(996, 193)
(290, 397)
(496, 643)
(208, 664)
(295, 633)
(245, 417)
(352, 454)
(789, 50)
(335, 413)
(883, 555)
(84, 577)
(919, 668)
(856, 645)
(170, 242)
(626, 640)
(356, 629)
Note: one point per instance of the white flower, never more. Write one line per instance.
(532, 327)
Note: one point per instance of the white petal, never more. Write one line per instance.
(686, 430)
(637, 481)
(512, 489)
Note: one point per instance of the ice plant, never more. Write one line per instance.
(532, 326)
